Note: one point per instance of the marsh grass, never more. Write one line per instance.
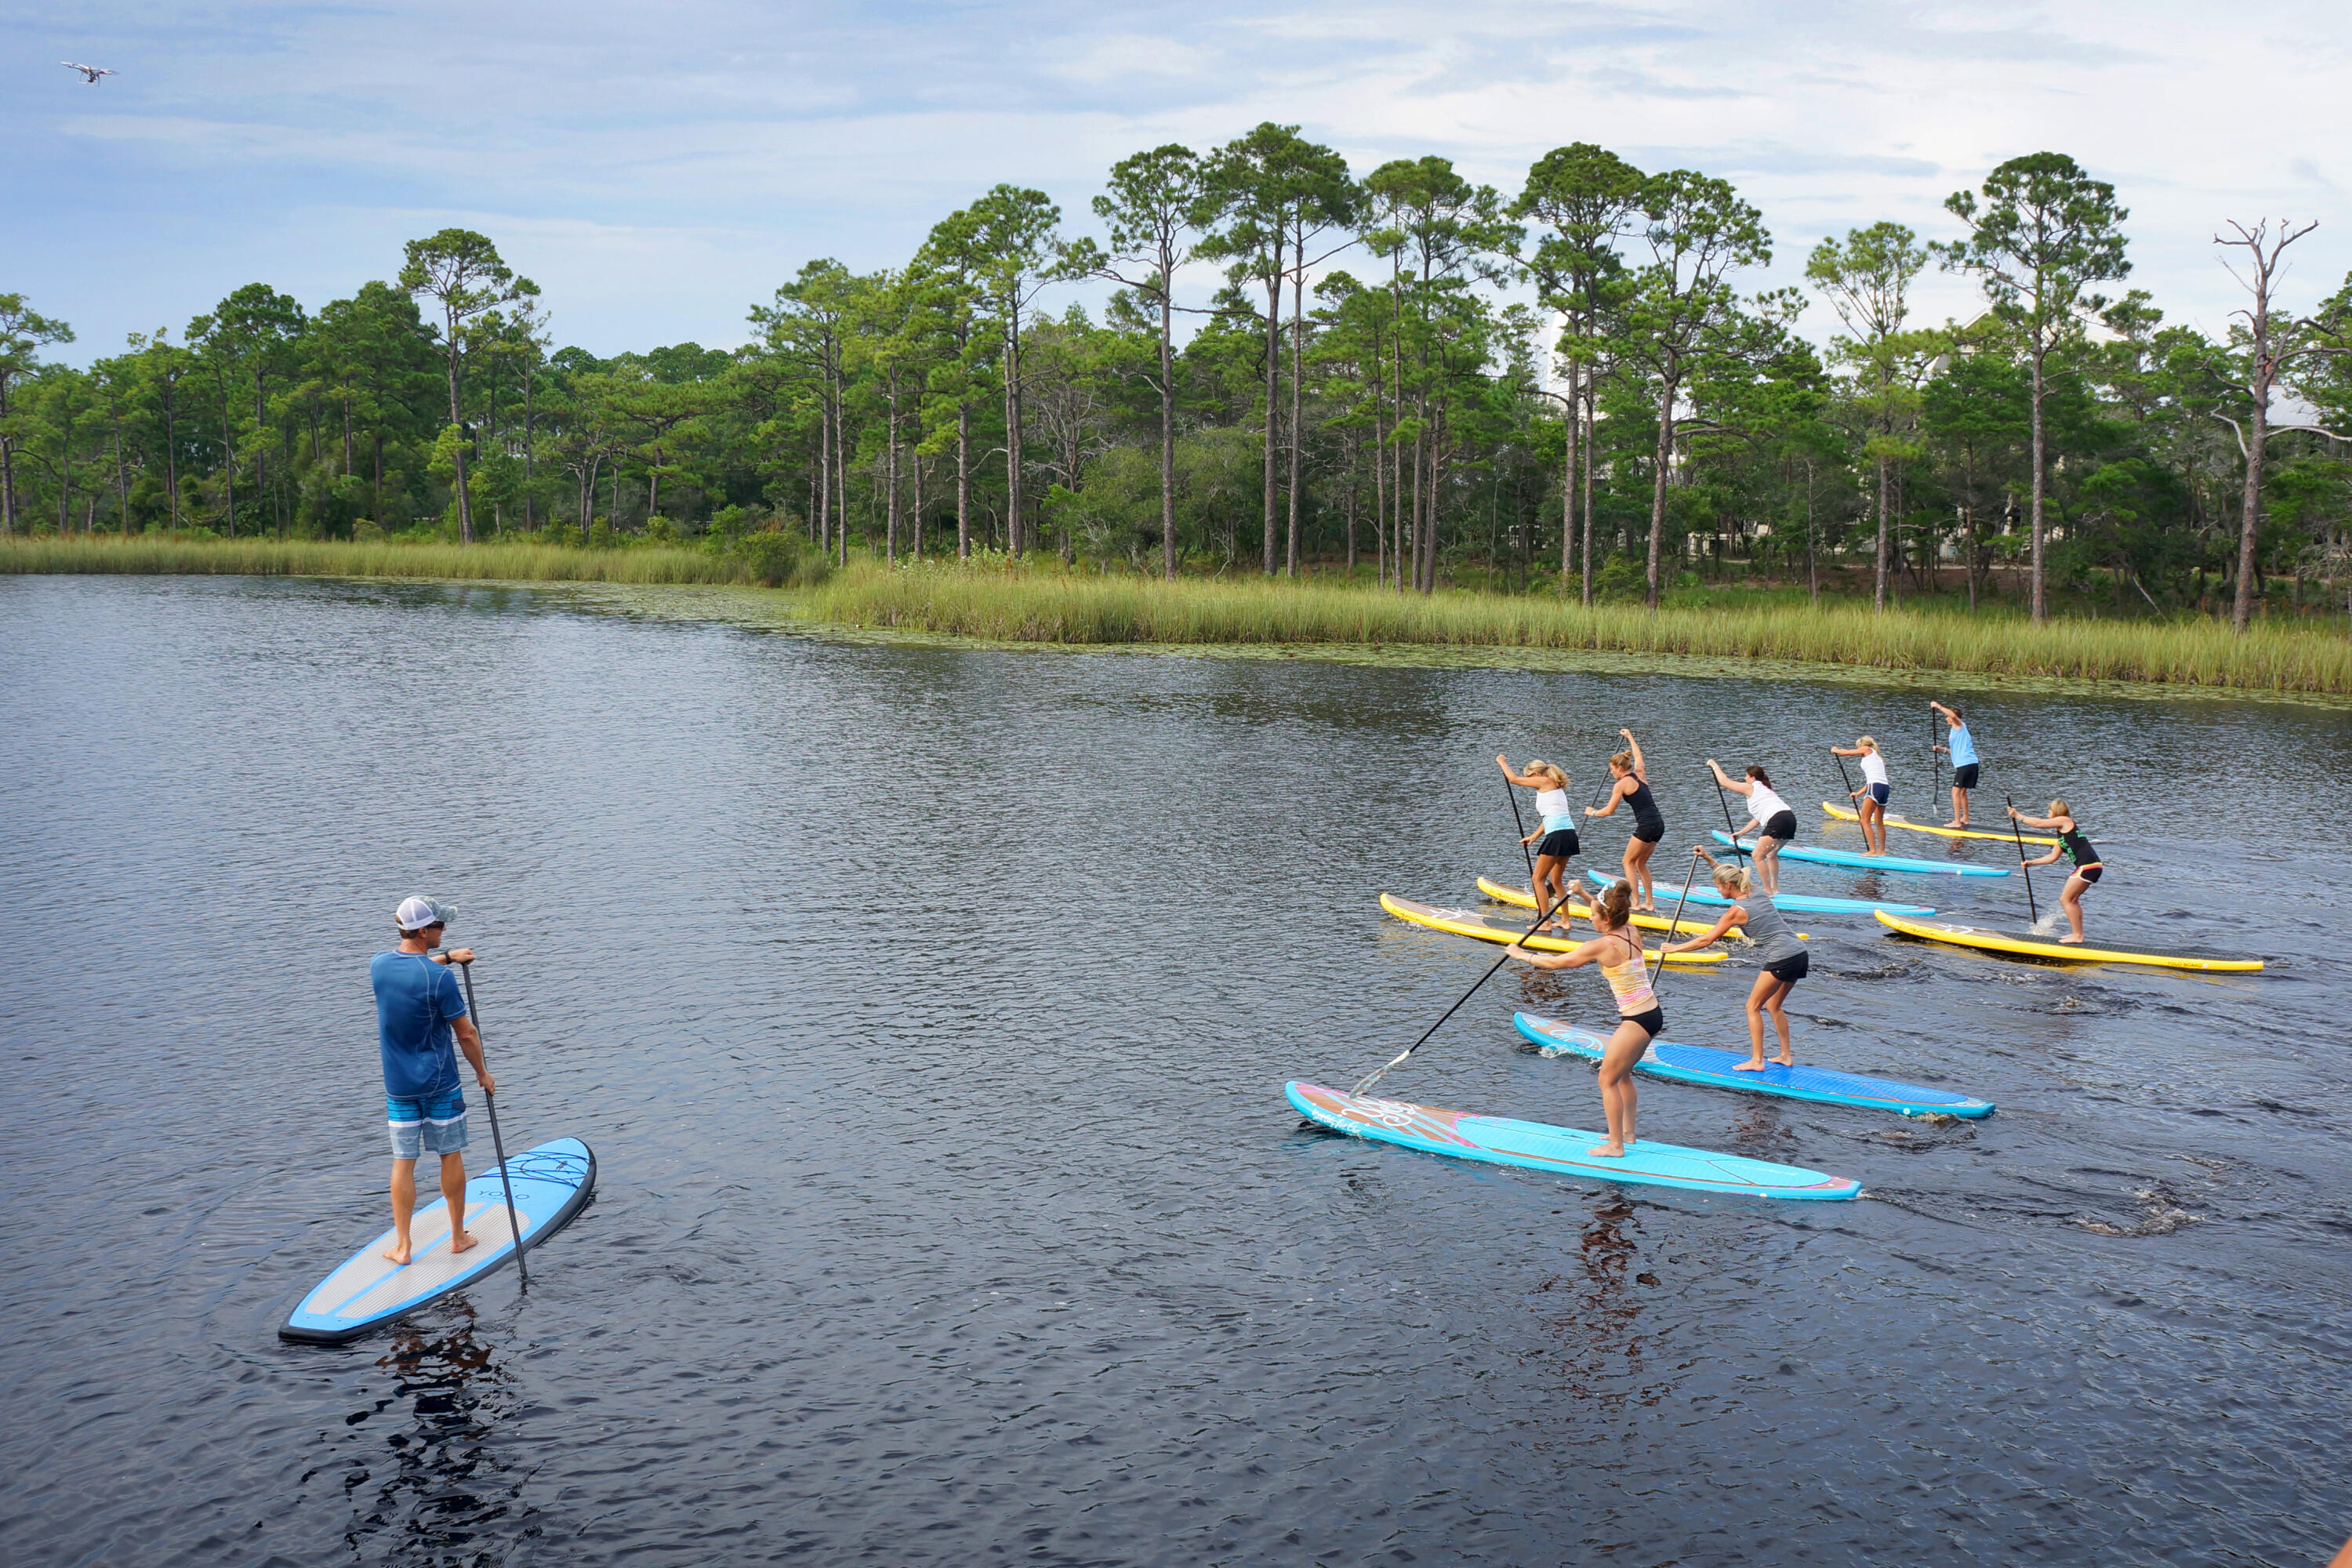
(1043, 603)
(156, 555)
(1050, 607)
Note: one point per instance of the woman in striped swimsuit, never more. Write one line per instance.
(1640, 1019)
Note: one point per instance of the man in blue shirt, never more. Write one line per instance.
(420, 1015)
(1964, 763)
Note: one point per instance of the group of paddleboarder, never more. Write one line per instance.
(1748, 892)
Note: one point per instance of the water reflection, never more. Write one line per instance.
(439, 1490)
(1593, 1348)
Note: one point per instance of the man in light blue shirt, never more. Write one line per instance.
(1965, 766)
(420, 1015)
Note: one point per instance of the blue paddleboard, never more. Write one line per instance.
(1871, 862)
(1540, 1146)
(552, 1182)
(1705, 1064)
(1792, 903)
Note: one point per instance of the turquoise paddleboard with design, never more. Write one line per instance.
(1718, 1070)
(1669, 894)
(551, 1183)
(1561, 1151)
(1860, 861)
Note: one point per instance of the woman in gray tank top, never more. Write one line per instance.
(1781, 957)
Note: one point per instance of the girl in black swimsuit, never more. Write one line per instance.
(2074, 843)
(1633, 787)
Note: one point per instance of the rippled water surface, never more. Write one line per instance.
(928, 1010)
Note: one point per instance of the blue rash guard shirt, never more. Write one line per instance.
(1964, 746)
(414, 1000)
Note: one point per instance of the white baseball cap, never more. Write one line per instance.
(415, 914)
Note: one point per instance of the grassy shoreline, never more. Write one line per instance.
(1046, 606)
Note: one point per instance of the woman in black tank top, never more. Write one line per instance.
(2075, 844)
(1633, 787)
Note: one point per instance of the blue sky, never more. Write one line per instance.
(658, 168)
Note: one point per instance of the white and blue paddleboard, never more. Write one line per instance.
(1869, 862)
(1718, 1070)
(1562, 1151)
(552, 1182)
(1791, 902)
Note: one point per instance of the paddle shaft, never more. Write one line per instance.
(498, 1143)
(1673, 925)
(1845, 776)
(1729, 832)
(1465, 996)
(1521, 823)
(1935, 768)
(2016, 832)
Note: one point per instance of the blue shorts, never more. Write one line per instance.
(1879, 794)
(426, 1125)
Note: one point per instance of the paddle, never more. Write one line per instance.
(1725, 801)
(2022, 866)
(1482, 980)
(1521, 823)
(1675, 924)
(1844, 776)
(498, 1143)
(1935, 768)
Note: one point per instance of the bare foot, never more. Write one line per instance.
(2070, 940)
(1956, 823)
(1785, 1061)
(398, 1252)
(464, 1241)
(1756, 1066)
(1608, 1150)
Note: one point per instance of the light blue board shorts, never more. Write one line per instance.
(426, 1125)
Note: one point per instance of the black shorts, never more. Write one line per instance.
(1652, 1022)
(1560, 843)
(1782, 828)
(1965, 777)
(2089, 873)
(1791, 969)
(1650, 832)
(1879, 794)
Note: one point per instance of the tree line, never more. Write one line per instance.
(1405, 374)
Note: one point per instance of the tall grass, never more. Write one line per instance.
(162, 555)
(1074, 609)
(1045, 605)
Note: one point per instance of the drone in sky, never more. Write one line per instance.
(89, 73)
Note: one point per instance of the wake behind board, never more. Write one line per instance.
(1716, 1070)
(1843, 815)
(1870, 862)
(2031, 944)
(1540, 1146)
(1506, 893)
(1504, 930)
(1791, 903)
(552, 1182)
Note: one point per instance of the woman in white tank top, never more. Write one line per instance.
(1555, 833)
(1773, 817)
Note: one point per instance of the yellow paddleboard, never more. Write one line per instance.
(1501, 929)
(1688, 927)
(2027, 943)
(1843, 814)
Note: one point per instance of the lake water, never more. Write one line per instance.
(929, 1009)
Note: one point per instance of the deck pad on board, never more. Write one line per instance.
(367, 1290)
(1540, 1146)
(1718, 1070)
(1843, 815)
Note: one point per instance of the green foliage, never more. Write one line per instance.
(777, 560)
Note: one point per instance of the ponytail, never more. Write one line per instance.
(1614, 907)
(1756, 770)
(1732, 879)
(1622, 760)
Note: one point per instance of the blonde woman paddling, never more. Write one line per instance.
(1774, 819)
(1618, 952)
(2072, 842)
(1870, 800)
(1555, 836)
(1780, 952)
(1633, 787)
